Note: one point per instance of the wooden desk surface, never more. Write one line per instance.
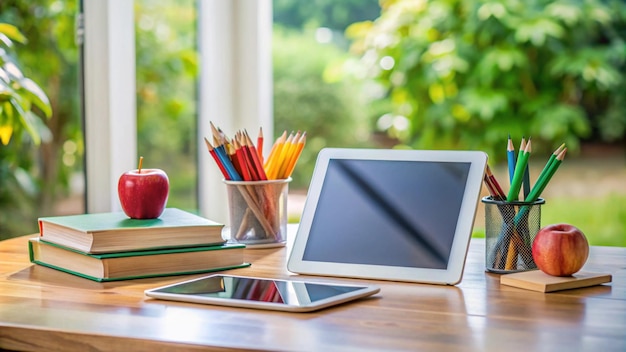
(43, 309)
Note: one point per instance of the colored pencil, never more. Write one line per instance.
(254, 154)
(259, 144)
(228, 164)
(240, 160)
(223, 161)
(520, 165)
(549, 162)
(216, 158)
(244, 165)
(286, 154)
(492, 191)
(246, 156)
(272, 160)
(542, 182)
(510, 157)
(498, 193)
(526, 180)
(279, 157)
(296, 155)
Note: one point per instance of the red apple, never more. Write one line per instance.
(560, 249)
(143, 192)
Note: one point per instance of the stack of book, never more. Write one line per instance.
(111, 246)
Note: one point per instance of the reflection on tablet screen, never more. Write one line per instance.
(394, 213)
(253, 289)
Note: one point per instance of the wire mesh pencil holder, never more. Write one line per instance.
(510, 229)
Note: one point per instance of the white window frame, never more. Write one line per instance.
(235, 91)
(235, 86)
(110, 102)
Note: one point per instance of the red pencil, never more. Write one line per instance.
(216, 158)
(259, 145)
(499, 192)
(258, 165)
(241, 161)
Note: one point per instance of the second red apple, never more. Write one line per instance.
(560, 249)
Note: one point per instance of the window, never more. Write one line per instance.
(234, 90)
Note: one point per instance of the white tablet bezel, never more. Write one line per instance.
(305, 306)
(450, 276)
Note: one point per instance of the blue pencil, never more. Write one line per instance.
(228, 165)
(510, 156)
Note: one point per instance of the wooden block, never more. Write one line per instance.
(537, 280)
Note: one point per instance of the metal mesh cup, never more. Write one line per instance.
(510, 229)
(258, 212)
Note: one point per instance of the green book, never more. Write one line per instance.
(136, 264)
(116, 232)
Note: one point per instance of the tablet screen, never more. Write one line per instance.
(387, 212)
(262, 293)
(256, 289)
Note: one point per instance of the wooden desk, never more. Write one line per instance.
(43, 309)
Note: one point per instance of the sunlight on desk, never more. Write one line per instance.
(45, 309)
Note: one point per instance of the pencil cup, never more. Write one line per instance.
(510, 229)
(258, 212)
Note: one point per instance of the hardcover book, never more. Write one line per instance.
(116, 232)
(137, 264)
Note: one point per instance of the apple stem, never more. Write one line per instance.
(140, 162)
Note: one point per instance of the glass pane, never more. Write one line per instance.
(47, 178)
(311, 93)
(166, 94)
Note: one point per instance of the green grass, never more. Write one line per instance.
(603, 220)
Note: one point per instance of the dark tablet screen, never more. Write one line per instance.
(256, 289)
(387, 212)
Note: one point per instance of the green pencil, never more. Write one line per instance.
(544, 178)
(548, 163)
(520, 166)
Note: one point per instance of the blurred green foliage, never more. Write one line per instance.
(338, 15)
(167, 68)
(462, 74)
(312, 92)
(309, 97)
(33, 176)
(22, 101)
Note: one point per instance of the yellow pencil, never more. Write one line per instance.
(296, 156)
(289, 152)
(275, 150)
(279, 157)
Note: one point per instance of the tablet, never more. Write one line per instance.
(402, 215)
(252, 292)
